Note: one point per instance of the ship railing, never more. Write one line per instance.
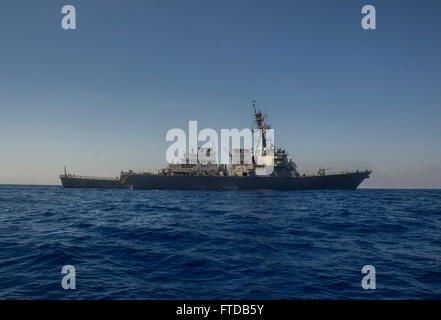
(74, 176)
(335, 172)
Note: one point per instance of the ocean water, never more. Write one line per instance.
(219, 244)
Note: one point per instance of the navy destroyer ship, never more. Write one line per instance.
(238, 175)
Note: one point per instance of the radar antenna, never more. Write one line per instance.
(258, 117)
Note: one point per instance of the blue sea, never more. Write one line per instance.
(219, 244)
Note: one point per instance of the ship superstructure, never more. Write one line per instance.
(246, 165)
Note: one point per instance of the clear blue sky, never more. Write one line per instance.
(101, 98)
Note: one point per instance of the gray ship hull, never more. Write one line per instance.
(79, 182)
(343, 181)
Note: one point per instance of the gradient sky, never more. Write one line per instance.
(101, 98)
